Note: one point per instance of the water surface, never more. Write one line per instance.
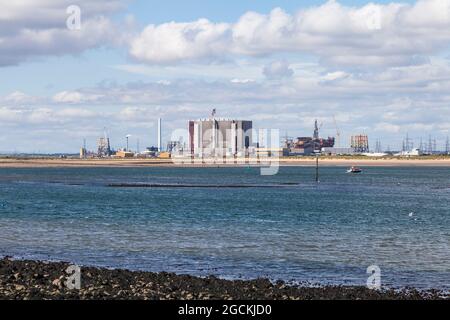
(328, 233)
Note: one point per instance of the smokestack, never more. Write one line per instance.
(159, 135)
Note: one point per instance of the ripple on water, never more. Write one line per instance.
(324, 234)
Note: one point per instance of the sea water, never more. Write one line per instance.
(285, 226)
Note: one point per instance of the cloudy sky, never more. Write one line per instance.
(380, 68)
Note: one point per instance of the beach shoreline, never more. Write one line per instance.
(37, 280)
(307, 161)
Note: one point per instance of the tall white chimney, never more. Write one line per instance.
(159, 135)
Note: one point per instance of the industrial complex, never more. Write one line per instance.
(216, 137)
(308, 145)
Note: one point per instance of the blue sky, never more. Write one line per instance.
(154, 11)
(52, 74)
(380, 68)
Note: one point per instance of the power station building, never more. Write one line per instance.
(217, 137)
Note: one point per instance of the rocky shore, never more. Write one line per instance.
(22, 279)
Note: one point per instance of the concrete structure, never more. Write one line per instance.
(375, 154)
(164, 155)
(410, 153)
(301, 151)
(272, 152)
(83, 153)
(337, 151)
(124, 154)
(83, 150)
(217, 137)
(159, 135)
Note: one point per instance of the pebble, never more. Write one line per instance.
(36, 283)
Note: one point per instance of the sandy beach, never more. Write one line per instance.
(307, 161)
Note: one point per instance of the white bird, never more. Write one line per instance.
(411, 214)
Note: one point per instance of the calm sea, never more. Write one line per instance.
(283, 227)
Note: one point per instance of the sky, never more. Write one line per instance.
(379, 68)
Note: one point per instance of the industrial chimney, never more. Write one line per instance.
(159, 135)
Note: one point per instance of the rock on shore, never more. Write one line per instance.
(22, 279)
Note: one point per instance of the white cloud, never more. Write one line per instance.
(8, 115)
(239, 69)
(18, 97)
(75, 113)
(174, 41)
(75, 97)
(39, 115)
(391, 34)
(242, 81)
(66, 96)
(401, 87)
(137, 113)
(332, 76)
(278, 70)
(50, 13)
(164, 82)
(44, 115)
(387, 127)
(30, 28)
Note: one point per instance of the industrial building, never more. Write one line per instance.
(308, 145)
(360, 143)
(414, 152)
(124, 154)
(103, 147)
(218, 137)
(272, 152)
(337, 151)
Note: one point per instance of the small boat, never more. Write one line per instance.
(354, 169)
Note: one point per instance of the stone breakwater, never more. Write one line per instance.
(22, 279)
